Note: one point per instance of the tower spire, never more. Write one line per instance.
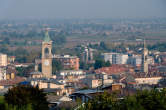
(144, 44)
(47, 37)
(144, 59)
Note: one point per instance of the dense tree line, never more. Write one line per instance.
(159, 46)
(24, 98)
(23, 38)
(99, 63)
(22, 55)
(109, 47)
(142, 100)
(32, 98)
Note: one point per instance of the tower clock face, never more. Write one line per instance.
(46, 62)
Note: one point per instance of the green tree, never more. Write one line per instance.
(85, 66)
(107, 64)
(56, 66)
(142, 100)
(26, 96)
(145, 100)
(99, 63)
(105, 101)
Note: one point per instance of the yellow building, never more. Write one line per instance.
(10, 73)
(10, 76)
(3, 60)
(36, 74)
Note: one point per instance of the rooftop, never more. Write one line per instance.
(114, 69)
(44, 80)
(87, 91)
(35, 72)
(11, 81)
(64, 56)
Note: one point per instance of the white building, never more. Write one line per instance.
(115, 58)
(149, 80)
(105, 79)
(71, 72)
(107, 57)
(119, 59)
(135, 60)
(3, 60)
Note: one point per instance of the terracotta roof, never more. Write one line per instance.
(114, 69)
(11, 81)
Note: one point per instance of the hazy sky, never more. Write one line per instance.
(20, 9)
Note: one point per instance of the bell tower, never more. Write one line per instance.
(47, 56)
(144, 59)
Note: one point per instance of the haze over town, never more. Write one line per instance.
(83, 54)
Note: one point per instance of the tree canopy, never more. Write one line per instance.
(56, 66)
(99, 63)
(142, 100)
(26, 96)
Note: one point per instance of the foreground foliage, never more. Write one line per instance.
(24, 98)
(143, 100)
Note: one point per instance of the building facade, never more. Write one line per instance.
(115, 58)
(71, 72)
(135, 60)
(3, 60)
(148, 80)
(68, 62)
